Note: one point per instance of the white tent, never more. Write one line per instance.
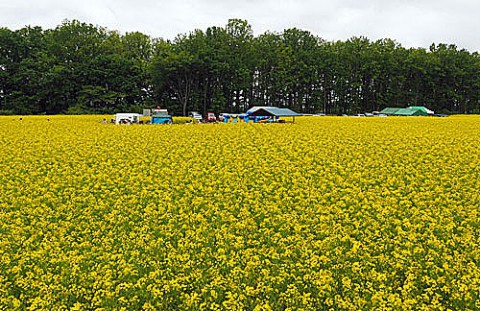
(127, 118)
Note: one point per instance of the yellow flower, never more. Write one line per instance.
(326, 213)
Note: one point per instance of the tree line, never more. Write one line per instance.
(80, 68)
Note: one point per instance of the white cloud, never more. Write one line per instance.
(410, 22)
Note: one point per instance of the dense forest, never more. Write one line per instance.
(81, 68)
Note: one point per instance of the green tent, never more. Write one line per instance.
(409, 112)
(390, 110)
(423, 109)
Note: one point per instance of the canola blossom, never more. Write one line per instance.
(326, 213)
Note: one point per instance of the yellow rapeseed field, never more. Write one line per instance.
(327, 213)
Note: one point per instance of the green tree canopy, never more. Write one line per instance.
(83, 68)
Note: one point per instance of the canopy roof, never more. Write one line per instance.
(390, 110)
(422, 108)
(409, 111)
(271, 112)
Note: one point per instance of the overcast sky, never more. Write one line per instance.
(412, 23)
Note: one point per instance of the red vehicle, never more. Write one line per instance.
(211, 117)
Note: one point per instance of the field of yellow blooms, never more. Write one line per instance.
(328, 213)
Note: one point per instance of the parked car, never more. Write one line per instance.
(195, 115)
(211, 117)
(161, 116)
